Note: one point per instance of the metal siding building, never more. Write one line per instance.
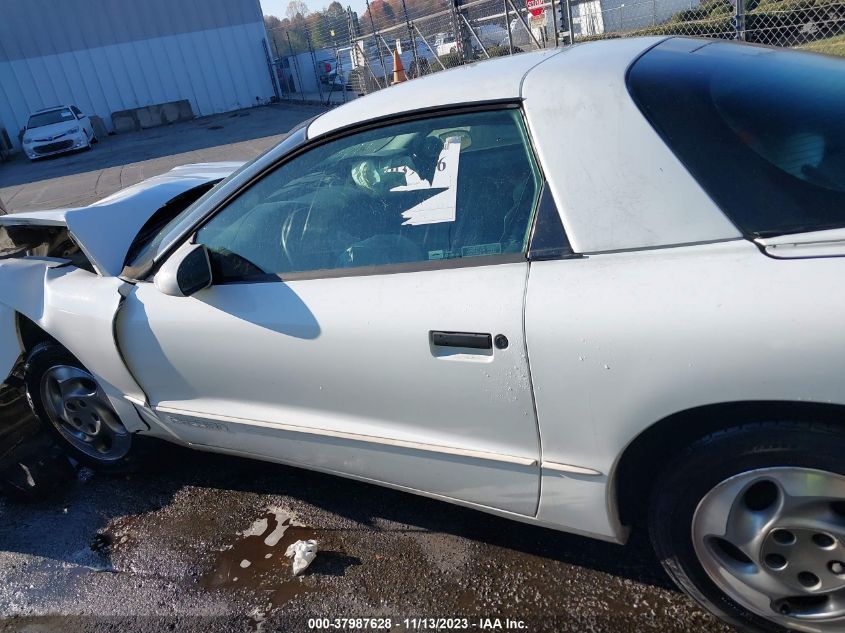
(107, 56)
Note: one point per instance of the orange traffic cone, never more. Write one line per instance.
(398, 69)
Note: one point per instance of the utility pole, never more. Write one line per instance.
(508, 24)
(739, 20)
(411, 39)
(378, 45)
(570, 27)
(296, 66)
(314, 65)
(461, 37)
(555, 21)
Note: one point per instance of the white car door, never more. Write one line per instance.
(366, 316)
(84, 121)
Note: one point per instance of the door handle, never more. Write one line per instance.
(472, 340)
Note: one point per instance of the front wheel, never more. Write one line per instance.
(751, 523)
(73, 407)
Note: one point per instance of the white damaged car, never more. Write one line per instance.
(609, 305)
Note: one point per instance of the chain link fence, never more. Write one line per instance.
(335, 55)
(817, 25)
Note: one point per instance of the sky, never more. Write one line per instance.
(277, 7)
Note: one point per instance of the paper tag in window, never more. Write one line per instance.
(440, 207)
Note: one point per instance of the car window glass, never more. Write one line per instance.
(49, 118)
(760, 129)
(450, 187)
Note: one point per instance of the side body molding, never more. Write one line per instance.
(78, 309)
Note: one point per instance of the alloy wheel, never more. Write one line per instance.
(773, 540)
(80, 410)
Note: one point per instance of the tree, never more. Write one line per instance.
(382, 12)
(325, 28)
(297, 10)
(335, 9)
(337, 22)
(275, 33)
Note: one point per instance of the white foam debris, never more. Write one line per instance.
(281, 519)
(257, 528)
(29, 480)
(303, 553)
(245, 563)
(282, 523)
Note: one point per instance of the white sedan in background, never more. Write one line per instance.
(57, 130)
(598, 291)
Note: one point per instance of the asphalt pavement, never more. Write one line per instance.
(182, 545)
(196, 542)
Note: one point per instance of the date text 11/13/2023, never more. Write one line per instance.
(418, 624)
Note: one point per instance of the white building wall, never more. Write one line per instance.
(110, 55)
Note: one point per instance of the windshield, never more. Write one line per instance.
(49, 118)
(759, 128)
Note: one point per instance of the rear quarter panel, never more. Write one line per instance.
(619, 341)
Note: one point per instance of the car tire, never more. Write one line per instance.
(75, 410)
(746, 476)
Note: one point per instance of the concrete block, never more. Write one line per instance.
(149, 116)
(186, 113)
(170, 112)
(99, 126)
(125, 121)
(152, 116)
(175, 111)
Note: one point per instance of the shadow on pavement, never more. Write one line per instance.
(172, 467)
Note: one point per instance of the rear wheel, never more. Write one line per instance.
(75, 410)
(751, 523)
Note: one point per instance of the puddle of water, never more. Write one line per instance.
(119, 533)
(257, 561)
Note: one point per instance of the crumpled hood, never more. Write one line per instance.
(105, 230)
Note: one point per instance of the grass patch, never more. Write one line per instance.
(829, 46)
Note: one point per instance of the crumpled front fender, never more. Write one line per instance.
(77, 308)
(10, 346)
(21, 290)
